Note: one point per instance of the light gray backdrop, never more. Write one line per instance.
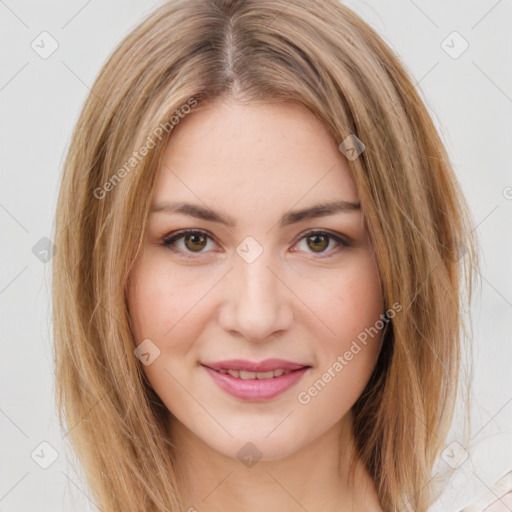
(42, 88)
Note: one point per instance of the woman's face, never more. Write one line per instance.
(266, 274)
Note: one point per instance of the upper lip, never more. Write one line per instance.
(253, 366)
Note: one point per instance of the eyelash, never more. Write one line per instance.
(169, 241)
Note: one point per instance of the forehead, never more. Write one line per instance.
(265, 155)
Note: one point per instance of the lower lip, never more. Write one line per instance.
(256, 389)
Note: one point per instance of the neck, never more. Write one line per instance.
(316, 477)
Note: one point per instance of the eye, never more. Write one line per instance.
(319, 241)
(195, 241)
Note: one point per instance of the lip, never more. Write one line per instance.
(253, 390)
(252, 366)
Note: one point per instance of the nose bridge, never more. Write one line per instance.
(258, 284)
(258, 302)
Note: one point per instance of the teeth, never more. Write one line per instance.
(246, 375)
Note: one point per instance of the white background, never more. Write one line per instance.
(470, 98)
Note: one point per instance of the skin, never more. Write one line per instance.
(299, 301)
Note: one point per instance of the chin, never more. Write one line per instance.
(257, 447)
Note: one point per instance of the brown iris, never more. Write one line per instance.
(321, 242)
(195, 242)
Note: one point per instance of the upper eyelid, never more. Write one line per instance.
(181, 233)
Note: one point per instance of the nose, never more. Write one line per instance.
(258, 303)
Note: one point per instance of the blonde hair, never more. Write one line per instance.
(317, 53)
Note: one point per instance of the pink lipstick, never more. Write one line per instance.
(255, 381)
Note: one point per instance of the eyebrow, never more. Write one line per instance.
(292, 217)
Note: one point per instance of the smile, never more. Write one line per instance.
(254, 386)
(246, 375)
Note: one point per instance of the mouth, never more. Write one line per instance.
(252, 381)
(246, 365)
(247, 375)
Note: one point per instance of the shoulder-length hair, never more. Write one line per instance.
(317, 53)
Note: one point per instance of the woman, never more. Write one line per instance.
(262, 251)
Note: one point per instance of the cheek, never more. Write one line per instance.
(352, 309)
(349, 302)
(163, 308)
(160, 300)
(358, 300)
